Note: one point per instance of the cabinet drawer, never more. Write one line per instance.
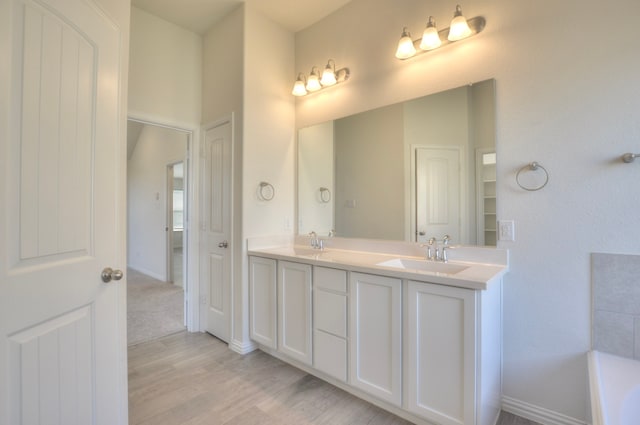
(332, 279)
(330, 354)
(330, 312)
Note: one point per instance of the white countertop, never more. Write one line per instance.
(475, 275)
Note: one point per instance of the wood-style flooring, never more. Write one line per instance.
(194, 379)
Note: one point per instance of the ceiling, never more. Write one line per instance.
(200, 15)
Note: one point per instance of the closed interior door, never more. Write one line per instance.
(438, 210)
(215, 260)
(63, 356)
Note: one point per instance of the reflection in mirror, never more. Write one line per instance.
(410, 171)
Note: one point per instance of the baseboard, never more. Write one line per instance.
(147, 272)
(536, 413)
(242, 347)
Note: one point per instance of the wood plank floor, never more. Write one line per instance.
(194, 379)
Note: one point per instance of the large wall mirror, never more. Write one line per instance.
(409, 171)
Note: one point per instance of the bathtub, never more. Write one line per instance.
(614, 383)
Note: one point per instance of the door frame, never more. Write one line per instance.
(192, 218)
(234, 240)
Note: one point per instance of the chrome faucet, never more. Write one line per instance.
(431, 245)
(434, 253)
(316, 242)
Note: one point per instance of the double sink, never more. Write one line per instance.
(402, 263)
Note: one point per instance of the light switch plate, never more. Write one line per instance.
(506, 231)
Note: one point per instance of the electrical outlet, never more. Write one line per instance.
(506, 231)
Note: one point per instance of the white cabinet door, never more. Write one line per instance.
(442, 351)
(294, 311)
(375, 329)
(262, 299)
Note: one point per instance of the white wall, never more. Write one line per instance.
(147, 198)
(568, 97)
(222, 91)
(268, 144)
(248, 62)
(165, 73)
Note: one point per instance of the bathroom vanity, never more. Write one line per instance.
(419, 338)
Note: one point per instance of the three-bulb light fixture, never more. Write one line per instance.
(460, 29)
(330, 76)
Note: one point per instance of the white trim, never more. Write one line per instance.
(192, 292)
(242, 347)
(537, 413)
(144, 271)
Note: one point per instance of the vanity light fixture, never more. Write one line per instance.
(315, 82)
(460, 29)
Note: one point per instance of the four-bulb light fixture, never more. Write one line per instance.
(315, 82)
(460, 29)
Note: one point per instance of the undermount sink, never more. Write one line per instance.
(306, 251)
(423, 265)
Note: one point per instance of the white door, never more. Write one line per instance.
(63, 330)
(215, 250)
(438, 210)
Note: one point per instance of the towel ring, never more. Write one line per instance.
(325, 195)
(532, 166)
(266, 191)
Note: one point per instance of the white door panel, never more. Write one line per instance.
(61, 221)
(438, 210)
(215, 249)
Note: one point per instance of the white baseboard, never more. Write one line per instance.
(147, 272)
(537, 413)
(242, 347)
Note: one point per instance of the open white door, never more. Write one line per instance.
(215, 252)
(62, 329)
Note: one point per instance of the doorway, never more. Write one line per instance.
(158, 232)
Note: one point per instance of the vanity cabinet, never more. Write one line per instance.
(441, 341)
(263, 313)
(426, 351)
(330, 321)
(375, 329)
(294, 311)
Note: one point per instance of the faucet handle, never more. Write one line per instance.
(446, 239)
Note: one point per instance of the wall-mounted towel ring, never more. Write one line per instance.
(266, 191)
(325, 195)
(532, 166)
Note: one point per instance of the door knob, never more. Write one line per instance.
(223, 244)
(108, 274)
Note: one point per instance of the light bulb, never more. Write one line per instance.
(298, 87)
(405, 46)
(459, 27)
(328, 75)
(313, 82)
(430, 37)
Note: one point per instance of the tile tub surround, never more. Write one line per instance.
(616, 304)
